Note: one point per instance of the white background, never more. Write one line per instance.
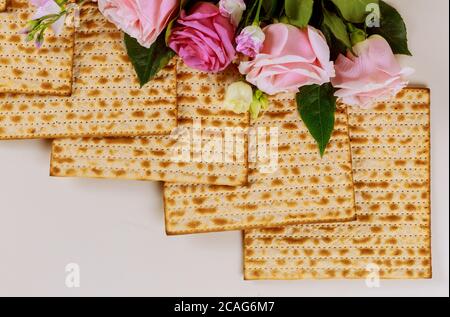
(115, 231)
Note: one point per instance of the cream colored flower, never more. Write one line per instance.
(238, 97)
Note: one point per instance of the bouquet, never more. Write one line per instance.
(324, 51)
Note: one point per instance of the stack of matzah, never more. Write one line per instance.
(363, 208)
(153, 157)
(105, 99)
(291, 193)
(25, 69)
(391, 237)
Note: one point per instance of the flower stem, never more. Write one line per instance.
(258, 12)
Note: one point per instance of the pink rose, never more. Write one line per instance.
(203, 38)
(373, 75)
(250, 41)
(142, 19)
(290, 58)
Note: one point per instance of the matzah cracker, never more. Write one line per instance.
(107, 99)
(26, 69)
(153, 158)
(304, 189)
(391, 239)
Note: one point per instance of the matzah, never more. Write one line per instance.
(391, 239)
(305, 188)
(153, 158)
(107, 99)
(26, 69)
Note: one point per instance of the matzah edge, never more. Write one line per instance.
(400, 272)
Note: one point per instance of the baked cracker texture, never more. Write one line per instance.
(2, 5)
(106, 99)
(200, 97)
(25, 69)
(391, 238)
(304, 188)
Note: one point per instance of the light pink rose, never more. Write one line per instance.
(250, 41)
(142, 19)
(203, 38)
(290, 58)
(373, 75)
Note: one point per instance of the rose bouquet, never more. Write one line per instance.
(321, 50)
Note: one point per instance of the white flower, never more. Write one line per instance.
(233, 9)
(250, 41)
(238, 97)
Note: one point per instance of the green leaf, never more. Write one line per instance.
(393, 29)
(299, 12)
(317, 108)
(148, 62)
(270, 7)
(354, 11)
(337, 27)
(336, 47)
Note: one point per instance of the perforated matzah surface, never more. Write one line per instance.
(391, 163)
(152, 158)
(304, 189)
(23, 67)
(106, 98)
(2, 5)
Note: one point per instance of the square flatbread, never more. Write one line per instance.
(106, 100)
(302, 188)
(158, 157)
(25, 69)
(391, 238)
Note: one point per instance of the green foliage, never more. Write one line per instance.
(317, 108)
(354, 11)
(148, 62)
(393, 29)
(299, 12)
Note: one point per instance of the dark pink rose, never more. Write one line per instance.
(203, 38)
